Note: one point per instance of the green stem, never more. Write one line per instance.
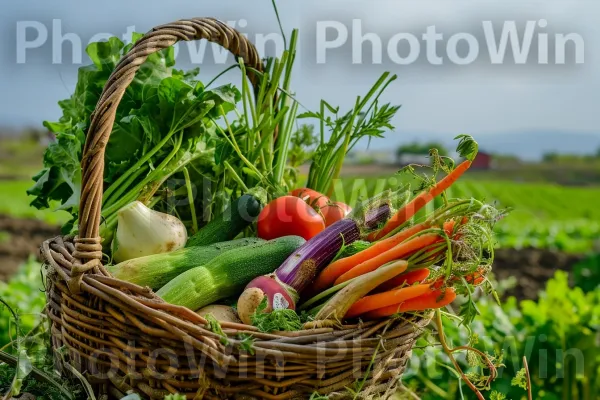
(37, 373)
(284, 144)
(425, 253)
(372, 92)
(449, 352)
(288, 68)
(153, 202)
(279, 22)
(247, 94)
(322, 123)
(138, 164)
(262, 90)
(110, 199)
(235, 146)
(235, 176)
(226, 70)
(188, 185)
(123, 201)
(152, 176)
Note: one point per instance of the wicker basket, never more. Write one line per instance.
(123, 338)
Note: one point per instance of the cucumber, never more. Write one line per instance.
(227, 275)
(156, 270)
(226, 226)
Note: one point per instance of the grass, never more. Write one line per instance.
(543, 215)
(14, 201)
(20, 158)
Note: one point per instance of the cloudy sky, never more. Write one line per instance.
(479, 97)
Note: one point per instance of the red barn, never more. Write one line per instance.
(483, 160)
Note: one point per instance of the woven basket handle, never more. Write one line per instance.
(92, 163)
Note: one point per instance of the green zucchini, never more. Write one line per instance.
(227, 275)
(158, 269)
(226, 226)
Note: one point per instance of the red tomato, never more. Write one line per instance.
(333, 212)
(312, 197)
(289, 215)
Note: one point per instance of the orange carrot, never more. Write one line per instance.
(396, 253)
(406, 279)
(449, 227)
(380, 300)
(476, 278)
(336, 307)
(438, 283)
(434, 299)
(411, 208)
(343, 265)
(402, 235)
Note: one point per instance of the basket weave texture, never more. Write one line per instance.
(123, 338)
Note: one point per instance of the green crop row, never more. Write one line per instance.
(541, 215)
(538, 215)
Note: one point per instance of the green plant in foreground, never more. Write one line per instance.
(23, 293)
(557, 334)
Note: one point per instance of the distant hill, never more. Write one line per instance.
(528, 145)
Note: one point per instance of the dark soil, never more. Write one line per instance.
(25, 238)
(531, 268)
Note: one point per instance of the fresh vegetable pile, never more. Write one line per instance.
(248, 244)
(371, 262)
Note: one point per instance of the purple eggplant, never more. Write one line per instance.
(282, 287)
(304, 264)
(377, 215)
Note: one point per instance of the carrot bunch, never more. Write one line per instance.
(371, 283)
(399, 245)
(424, 242)
(396, 298)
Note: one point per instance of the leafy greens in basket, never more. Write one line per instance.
(165, 121)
